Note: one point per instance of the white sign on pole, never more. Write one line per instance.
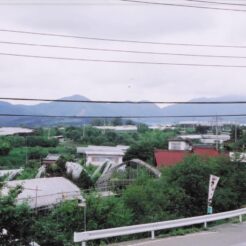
(212, 186)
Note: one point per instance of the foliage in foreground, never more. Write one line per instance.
(180, 192)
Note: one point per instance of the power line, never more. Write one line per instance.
(122, 51)
(122, 61)
(120, 102)
(60, 3)
(78, 3)
(217, 3)
(122, 116)
(184, 5)
(122, 40)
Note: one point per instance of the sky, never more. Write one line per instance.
(42, 78)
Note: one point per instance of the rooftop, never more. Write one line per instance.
(103, 150)
(52, 157)
(44, 192)
(173, 157)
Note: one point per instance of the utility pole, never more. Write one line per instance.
(48, 133)
(26, 151)
(83, 131)
(216, 132)
(235, 132)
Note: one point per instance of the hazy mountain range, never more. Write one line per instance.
(92, 109)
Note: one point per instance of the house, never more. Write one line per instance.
(98, 155)
(44, 192)
(205, 151)
(179, 149)
(179, 144)
(50, 159)
(123, 128)
(207, 138)
(169, 157)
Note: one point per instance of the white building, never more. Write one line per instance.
(4, 131)
(179, 144)
(207, 138)
(44, 192)
(123, 128)
(98, 155)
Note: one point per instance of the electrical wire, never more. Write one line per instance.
(122, 116)
(81, 3)
(118, 102)
(122, 40)
(217, 3)
(184, 5)
(59, 3)
(122, 61)
(122, 51)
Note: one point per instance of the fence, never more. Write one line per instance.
(152, 227)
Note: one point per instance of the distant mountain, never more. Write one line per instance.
(208, 109)
(127, 109)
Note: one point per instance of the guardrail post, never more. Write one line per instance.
(83, 244)
(205, 225)
(152, 235)
(240, 218)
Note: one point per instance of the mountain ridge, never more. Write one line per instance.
(107, 109)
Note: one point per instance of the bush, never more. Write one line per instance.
(5, 148)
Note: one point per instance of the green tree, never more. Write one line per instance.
(5, 148)
(57, 227)
(117, 122)
(107, 212)
(200, 129)
(16, 219)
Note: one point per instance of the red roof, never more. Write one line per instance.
(169, 157)
(209, 152)
(172, 157)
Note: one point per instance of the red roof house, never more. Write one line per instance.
(169, 157)
(165, 158)
(206, 151)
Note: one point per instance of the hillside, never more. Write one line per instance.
(98, 109)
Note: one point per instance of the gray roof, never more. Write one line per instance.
(52, 157)
(44, 192)
(103, 150)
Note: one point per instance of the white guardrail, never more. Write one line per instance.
(152, 227)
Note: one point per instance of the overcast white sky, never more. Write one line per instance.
(25, 77)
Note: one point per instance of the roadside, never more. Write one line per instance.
(222, 235)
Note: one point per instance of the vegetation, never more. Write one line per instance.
(180, 192)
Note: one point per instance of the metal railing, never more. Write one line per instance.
(152, 227)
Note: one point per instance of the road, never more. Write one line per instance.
(225, 235)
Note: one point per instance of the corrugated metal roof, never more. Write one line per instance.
(102, 150)
(52, 157)
(172, 157)
(44, 192)
(169, 157)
